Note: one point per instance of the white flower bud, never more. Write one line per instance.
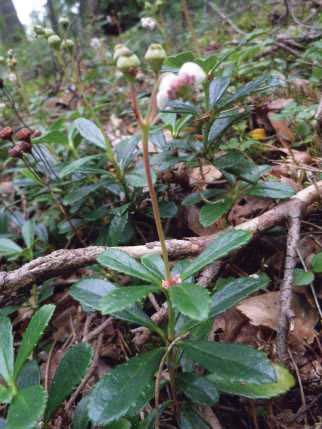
(167, 81)
(12, 77)
(95, 43)
(148, 23)
(193, 70)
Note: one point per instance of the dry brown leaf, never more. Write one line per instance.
(247, 208)
(208, 175)
(210, 417)
(282, 129)
(279, 103)
(263, 310)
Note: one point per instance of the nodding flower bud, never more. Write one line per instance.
(155, 56)
(68, 45)
(11, 63)
(48, 32)
(15, 152)
(39, 30)
(64, 22)
(6, 133)
(54, 42)
(121, 51)
(2, 61)
(194, 71)
(25, 146)
(24, 134)
(128, 65)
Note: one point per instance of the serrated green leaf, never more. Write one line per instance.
(191, 300)
(80, 418)
(249, 88)
(217, 89)
(90, 291)
(209, 213)
(235, 362)
(317, 263)
(90, 132)
(69, 374)
(271, 189)
(220, 125)
(121, 388)
(155, 264)
(198, 388)
(33, 333)
(190, 419)
(235, 291)
(9, 247)
(121, 424)
(125, 264)
(74, 166)
(224, 243)
(6, 394)
(285, 381)
(302, 278)
(6, 350)
(28, 232)
(122, 298)
(27, 408)
(29, 375)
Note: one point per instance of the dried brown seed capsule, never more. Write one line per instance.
(15, 152)
(24, 134)
(25, 146)
(6, 133)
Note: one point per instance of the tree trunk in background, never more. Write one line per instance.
(52, 15)
(11, 29)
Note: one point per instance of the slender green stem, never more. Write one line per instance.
(154, 199)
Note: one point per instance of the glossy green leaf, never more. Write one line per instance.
(9, 247)
(121, 388)
(69, 374)
(191, 300)
(209, 213)
(6, 395)
(80, 417)
(217, 89)
(235, 291)
(27, 408)
(33, 333)
(249, 88)
(285, 381)
(317, 263)
(6, 350)
(28, 232)
(137, 177)
(90, 132)
(74, 166)
(120, 424)
(220, 125)
(29, 375)
(122, 298)
(198, 388)
(302, 278)
(155, 264)
(224, 243)
(120, 261)
(176, 61)
(190, 419)
(90, 291)
(234, 362)
(271, 189)
(116, 229)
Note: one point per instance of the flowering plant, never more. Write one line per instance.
(165, 374)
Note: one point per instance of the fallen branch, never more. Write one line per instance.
(67, 260)
(286, 313)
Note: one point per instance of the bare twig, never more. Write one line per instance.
(226, 18)
(286, 313)
(66, 260)
(208, 274)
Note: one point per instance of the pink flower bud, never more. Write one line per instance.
(193, 70)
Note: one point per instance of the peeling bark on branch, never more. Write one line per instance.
(62, 261)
